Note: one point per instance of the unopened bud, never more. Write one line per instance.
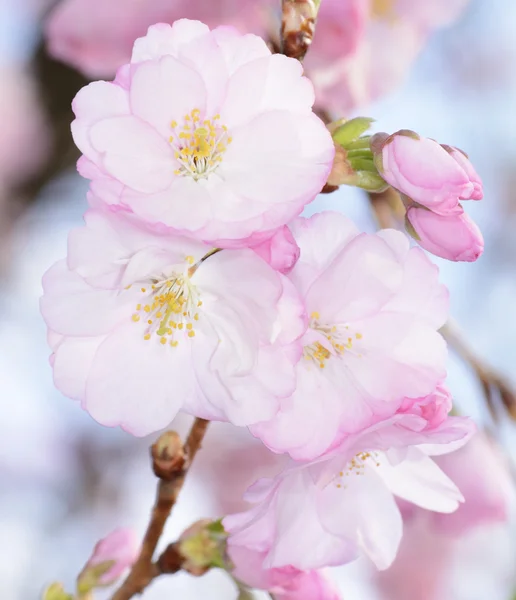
(56, 591)
(203, 546)
(168, 456)
(110, 558)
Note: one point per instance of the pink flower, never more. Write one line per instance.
(280, 251)
(426, 172)
(97, 36)
(375, 307)
(384, 37)
(117, 552)
(427, 551)
(480, 471)
(285, 583)
(330, 511)
(207, 133)
(434, 408)
(145, 324)
(454, 237)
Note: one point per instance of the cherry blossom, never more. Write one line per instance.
(286, 583)
(144, 324)
(374, 308)
(207, 133)
(344, 502)
(113, 554)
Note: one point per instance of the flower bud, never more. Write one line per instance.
(55, 591)
(434, 176)
(454, 237)
(111, 557)
(168, 457)
(202, 546)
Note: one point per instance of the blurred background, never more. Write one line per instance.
(65, 481)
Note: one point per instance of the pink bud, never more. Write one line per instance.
(121, 547)
(427, 173)
(474, 177)
(455, 237)
(280, 251)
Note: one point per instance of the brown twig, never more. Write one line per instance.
(171, 462)
(386, 206)
(298, 26)
(493, 384)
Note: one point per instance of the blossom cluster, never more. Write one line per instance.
(195, 285)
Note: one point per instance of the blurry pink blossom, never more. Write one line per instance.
(434, 176)
(375, 306)
(391, 37)
(121, 548)
(144, 324)
(285, 583)
(330, 511)
(454, 237)
(480, 472)
(206, 132)
(97, 36)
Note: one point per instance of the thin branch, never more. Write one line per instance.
(171, 462)
(298, 26)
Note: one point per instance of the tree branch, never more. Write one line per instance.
(298, 26)
(171, 462)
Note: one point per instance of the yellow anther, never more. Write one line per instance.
(174, 343)
(358, 336)
(190, 260)
(315, 315)
(196, 316)
(135, 318)
(163, 340)
(146, 308)
(199, 303)
(138, 306)
(146, 336)
(144, 290)
(173, 124)
(149, 321)
(180, 326)
(189, 326)
(191, 333)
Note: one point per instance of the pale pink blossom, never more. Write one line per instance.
(117, 552)
(280, 251)
(206, 132)
(330, 511)
(144, 324)
(97, 36)
(434, 176)
(391, 38)
(454, 237)
(480, 472)
(374, 308)
(285, 583)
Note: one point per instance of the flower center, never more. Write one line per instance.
(336, 340)
(199, 144)
(169, 307)
(382, 9)
(356, 466)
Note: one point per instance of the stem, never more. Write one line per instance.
(298, 26)
(144, 570)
